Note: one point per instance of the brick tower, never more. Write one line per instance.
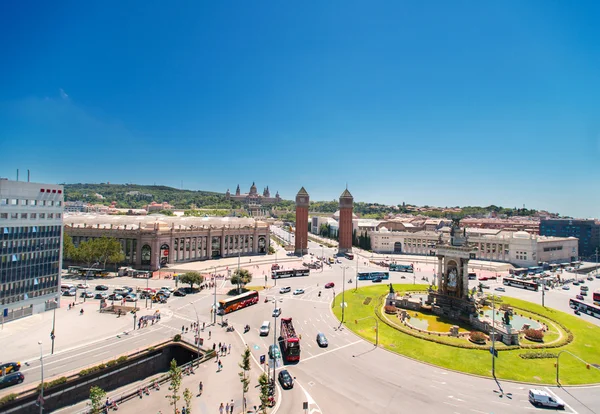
(302, 201)
(345, 223)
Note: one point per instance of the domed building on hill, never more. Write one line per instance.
(254, 201)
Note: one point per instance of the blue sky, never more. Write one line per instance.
(434, 102)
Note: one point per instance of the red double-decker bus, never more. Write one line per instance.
(290, 346)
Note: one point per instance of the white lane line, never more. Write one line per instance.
(566, 405)
(477, 411)
(332, 350)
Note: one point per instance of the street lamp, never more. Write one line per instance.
(274, 333)
(42, 384)
(86, 279)
(53, 334)
(343, 291)
(198, 326)
(214, 312)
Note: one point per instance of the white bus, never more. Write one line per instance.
(278, 274)
(523, 284)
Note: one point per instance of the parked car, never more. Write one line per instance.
(70, 292)
(11, 379)
(500, 289)
(10, 367)
(132, 297)
(298, 291)
(566, 287)
(541, 398)
(322, 340)
(274, 352)
(276, 312)
(115, 296)
(484, 286)
(101, 295)
(86, 294)
(285, 379)
(179, 292)
(285, 289)
(82, 286)
(329, 285)
(590, 278)
(127, 288)
(101, 287)
(168, 289)
(166, 293)
(583, 293)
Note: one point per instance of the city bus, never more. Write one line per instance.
(349, 256)
(523, 284)
(237, 302)
(596, 297)
(588, 308)
(279, 273)
(401, 268)
(518, 272)
(373, 275)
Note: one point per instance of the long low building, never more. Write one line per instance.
(519, 248)
(149, 240)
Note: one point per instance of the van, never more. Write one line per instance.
(265, 328)
(541, 398)
(66, 286)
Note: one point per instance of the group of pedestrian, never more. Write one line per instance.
(227, 408)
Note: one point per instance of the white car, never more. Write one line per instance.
(541, 398)
(71, 292)
(566, 287)
(276, 312)
(168, 289)
(298, 291)
(82, 286)
(500, 289)
(86, 294)
(285, 289)
(132, 297)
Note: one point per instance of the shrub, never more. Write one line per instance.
(122, 359)
(177, 338)
(111, 363)
(367, 301)
(7, 398)
(538, 355)
(390, 309)
(477, 337)
(53, 383)
(536, 335)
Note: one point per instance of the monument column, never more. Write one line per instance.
(345, 223)
(301, 236)
(465, 278)
(440, 272)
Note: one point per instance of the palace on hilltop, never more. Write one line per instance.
(253, 201)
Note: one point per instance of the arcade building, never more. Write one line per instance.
(150, 240)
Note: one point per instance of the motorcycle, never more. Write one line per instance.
(319, 293)
(349, 280)
(246, 328)
(230, 329)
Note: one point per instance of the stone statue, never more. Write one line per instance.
(391, 289)
(452, 276)
(506, 318)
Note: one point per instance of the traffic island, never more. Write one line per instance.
(530, 361)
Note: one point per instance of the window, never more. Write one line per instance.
(14, 216)
(23, 215)
(58, 215)
(50, 216)
(23, 202)
(59, 203)
(33, 216)
(50, 203)
(32, 202)
(3, 201)
(4, 216)
(42, 215)
(13, 202)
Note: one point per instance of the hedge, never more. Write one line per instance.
(111, 363)
(53, 383)
(8, 398)
(538, 355)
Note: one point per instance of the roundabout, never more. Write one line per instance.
(531, 361)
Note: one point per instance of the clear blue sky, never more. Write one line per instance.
(434, 102)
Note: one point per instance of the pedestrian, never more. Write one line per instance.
(226, 408)
(214, 346)
(200, 388)
(203, 324)
(231, 407)
(221, 408)
(229, 349)
(220, 347)
(208, 334)
(182, 329)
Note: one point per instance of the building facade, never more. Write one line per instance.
(31, 217)
(150, 240)
(301, 236)
(520, 248)
(586, 231)
(345, 222)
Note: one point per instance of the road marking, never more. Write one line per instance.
(477, 411)
(333, 350)
(566, 405)
(453, 405)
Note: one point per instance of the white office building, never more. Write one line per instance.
(31, 217)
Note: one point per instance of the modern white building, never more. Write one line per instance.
(31, 217)
(520, 248)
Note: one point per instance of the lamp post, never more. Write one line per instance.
(215, 296)
(343, 292)
(198, 325)
(493, 337)
(274, 334)
(356, 276)
(376, 327)
(42, 384)
(86, 278)
(52, 334)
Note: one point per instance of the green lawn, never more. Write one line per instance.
(508, 365)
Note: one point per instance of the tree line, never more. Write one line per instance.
(101, 250)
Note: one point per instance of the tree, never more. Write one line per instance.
(241, 277)
(107, 247)
(117, 258)
(191, 278)
(175, 374)
(187, 397)
(263, 381)
(244, 379)
(271, 250)
(68, 247)
(86, 253)
(97, 395)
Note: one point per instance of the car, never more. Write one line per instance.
(580, 297)
(298, 291)
(590, 278)
(276, 312)
(101, 295)
(165, 293)
(583, 293)
(69, 292)
(285, 379)
(11, 379)
(132, 297)
(541, 398)
(167, 288)
(329, 285)
(127, 288)
(484, 286)
(274, 352)
(9, 367)
(82, 286)
(322, 340)
(483, 278)
(86, 294)
(115, 296)
(377, 280)
(101, 287)
(500, 289)
(285, 289)
(576, 283)
(566, 287)
(179, 292)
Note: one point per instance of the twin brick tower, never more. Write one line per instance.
(345, 223)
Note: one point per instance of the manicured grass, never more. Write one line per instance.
(508, 365)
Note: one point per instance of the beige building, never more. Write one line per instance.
(520, 248)
(149, 240)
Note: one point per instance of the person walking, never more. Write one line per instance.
(221, 408)
(231, 407)
(226, 408)
(209, 333)
(200, 388)
(229, 349)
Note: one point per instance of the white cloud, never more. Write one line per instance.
(63, 94)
